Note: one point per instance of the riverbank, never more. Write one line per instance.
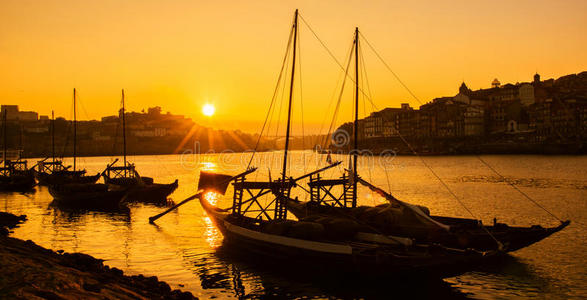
(29, 271)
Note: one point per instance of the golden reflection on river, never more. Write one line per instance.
(186, 248)
(212, 234)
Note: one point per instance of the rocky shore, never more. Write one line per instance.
(29, 271)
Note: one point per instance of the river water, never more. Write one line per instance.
(185, 250)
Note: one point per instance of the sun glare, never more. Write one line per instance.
(208, 109)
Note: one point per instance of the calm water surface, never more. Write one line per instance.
(186, 250)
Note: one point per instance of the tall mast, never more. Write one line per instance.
(291, 88)
(20, 147)
(53, 136)
(356, 123)
(123, 134)
(4, 134)
(74, 130)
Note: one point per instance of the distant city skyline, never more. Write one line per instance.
(201, 120)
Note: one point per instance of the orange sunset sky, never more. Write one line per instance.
(183, 54)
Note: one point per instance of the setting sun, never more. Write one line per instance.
(208, 109)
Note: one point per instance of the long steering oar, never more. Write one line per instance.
(190, 198)
(197, 195)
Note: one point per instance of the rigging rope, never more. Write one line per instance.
(336, 109)
(332, 98)
(82, 105)
(403, 139)
(441, 181)
(301, 101)
(273, 97)
(517, 189)
(484, 162)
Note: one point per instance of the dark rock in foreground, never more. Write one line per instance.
(9, 221)
(29, 271)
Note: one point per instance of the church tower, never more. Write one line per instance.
(536, 78)
(464, 89)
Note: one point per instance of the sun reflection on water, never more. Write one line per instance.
(212, 234)
(208, 166)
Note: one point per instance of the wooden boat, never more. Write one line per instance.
(14, 179)
(14, 174)
(88, 195)
(356, 254)
(261, 228)
(54, 172)
(338, 198)
(140, 188)
(65, 177)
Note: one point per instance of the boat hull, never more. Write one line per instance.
(86, 196)
(17, 183)
(48, 179)
(127, 181)
(371, 259)
(156, 193)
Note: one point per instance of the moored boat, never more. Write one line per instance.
(89, 195)
(14, 174)
(65, 177)
(140, 188)
(338, 197)
(363, 252)
(257, 224)
(14, 179)
(54, 172)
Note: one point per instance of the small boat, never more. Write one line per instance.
(54, 172)
(259, 226)
(87, 195)
(65, 177)
(140, 188)
(15, 177)
(14, 174)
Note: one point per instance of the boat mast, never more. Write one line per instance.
(123, 134)
(74, 130)
(4, 134)
(280, 204)
(356, 123)
(53, 137)
(291, 88)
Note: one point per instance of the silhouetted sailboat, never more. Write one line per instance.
(264, 230)
(140, 188)
(74, 189)
(45, 167)
(14, 174)
(399, 218)
(54, 172)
